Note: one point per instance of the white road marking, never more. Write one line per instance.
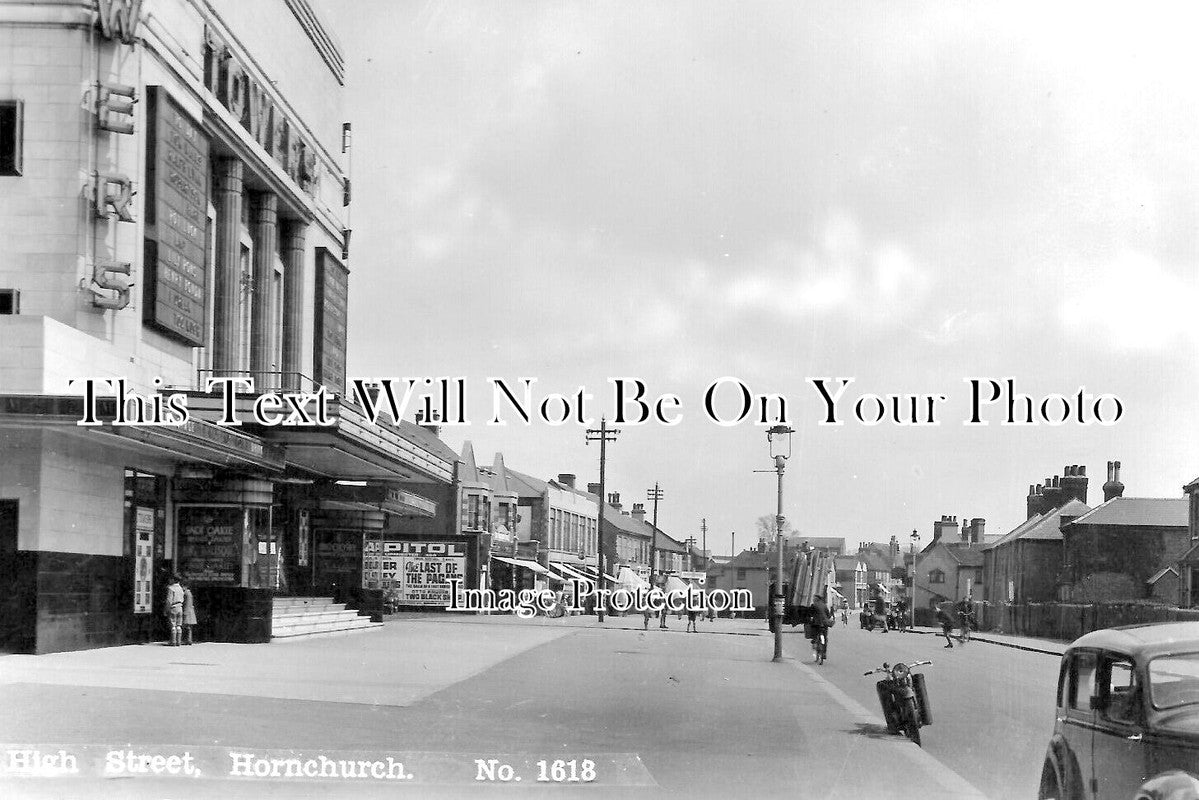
(942, 774)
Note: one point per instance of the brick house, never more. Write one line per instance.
(1111, 552)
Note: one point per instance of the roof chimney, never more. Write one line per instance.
(593, 488)
(762, 545)
(977, 526)
(566, 479)
(431, 426)
(639, 512)
(942, 528)
(1074, 484)
(1052, 492)
(614, 500)
(1113, 488)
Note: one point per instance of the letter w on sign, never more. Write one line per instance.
(119, 18)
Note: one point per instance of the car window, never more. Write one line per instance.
(1174, 680)
(1082, 681)
(1119, 689)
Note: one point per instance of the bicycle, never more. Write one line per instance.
(820, 644)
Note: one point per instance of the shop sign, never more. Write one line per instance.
(250, 104)
(418, 572)
(143, 561)
(209, 544)
(338, 551)
(329, 347)
(176, 220)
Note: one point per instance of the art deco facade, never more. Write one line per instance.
(174, 206)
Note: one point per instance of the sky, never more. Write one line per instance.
(908, 195)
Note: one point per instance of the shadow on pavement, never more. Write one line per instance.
(871, 730)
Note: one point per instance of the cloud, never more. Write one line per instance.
(1132, 303)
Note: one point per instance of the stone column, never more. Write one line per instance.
(264, 229)
(227, 198)
(292, 251)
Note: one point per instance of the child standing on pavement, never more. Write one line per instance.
(189, 613)
(174, 609)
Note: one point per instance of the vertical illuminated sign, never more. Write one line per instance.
(176, 217)
(332, 296)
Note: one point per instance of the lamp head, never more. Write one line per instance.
(779, 438)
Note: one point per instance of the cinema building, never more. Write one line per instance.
(173, 203)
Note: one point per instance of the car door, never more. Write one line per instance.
(1078, 722)
(1118, 752)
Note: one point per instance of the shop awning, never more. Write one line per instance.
(567, 570)
(521, 562)
(350, 447)
(195, 441)
(387, 499)
(591, 573)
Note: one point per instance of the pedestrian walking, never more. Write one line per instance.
(692, 616)
(174, 609)
(946, 625)
(189, 613)
(880, 614)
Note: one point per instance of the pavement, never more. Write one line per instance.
(1053, 647)
(657, 714)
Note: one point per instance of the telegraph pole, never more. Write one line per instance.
(703, 526)
(654, 494)
(603, 435)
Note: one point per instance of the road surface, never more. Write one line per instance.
(661, 713)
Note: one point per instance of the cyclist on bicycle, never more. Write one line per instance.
(822, 620)
(966, 618)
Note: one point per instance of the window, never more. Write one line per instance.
(1082, 682)
(11, 136)
(936, 576)
(1174, 680)
(740, 574)
(1118, 685)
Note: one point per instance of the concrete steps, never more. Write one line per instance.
(310, 616)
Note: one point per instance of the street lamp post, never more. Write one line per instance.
(912, 598)
(779, 439)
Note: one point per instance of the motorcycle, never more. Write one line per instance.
(904, 698)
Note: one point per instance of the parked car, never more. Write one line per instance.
(1127, 716)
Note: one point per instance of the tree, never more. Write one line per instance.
(766, 528)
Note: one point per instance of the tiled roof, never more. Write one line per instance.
(1165, 512)
(875, 562)
(967, 555)
(426, 439)
(846, 563)
(524, 485)
(627, 523)
(1044, 527)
